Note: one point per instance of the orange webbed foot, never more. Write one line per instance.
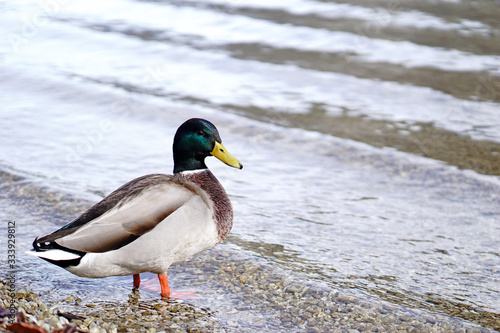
(165, 291)
(137, 281)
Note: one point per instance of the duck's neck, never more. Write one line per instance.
(223, 210)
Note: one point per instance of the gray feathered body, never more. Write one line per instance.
(146, 225)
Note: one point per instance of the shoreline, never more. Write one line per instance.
(293, 307)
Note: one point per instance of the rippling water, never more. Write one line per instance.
(92, 93)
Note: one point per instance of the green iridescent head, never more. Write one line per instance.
(196, 139)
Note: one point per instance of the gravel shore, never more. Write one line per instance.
(254, 299)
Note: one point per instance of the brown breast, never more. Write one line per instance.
(223, 210)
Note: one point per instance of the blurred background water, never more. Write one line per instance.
(369, 131)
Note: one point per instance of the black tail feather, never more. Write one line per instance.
(46, 246)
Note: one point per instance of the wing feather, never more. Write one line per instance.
(131, 211)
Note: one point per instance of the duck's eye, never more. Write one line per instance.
(200, 133)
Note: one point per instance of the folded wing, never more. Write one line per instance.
(131, 211)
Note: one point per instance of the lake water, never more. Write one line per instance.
(369, 132)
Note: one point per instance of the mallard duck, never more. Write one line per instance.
(152, 221)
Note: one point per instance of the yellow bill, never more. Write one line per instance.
(222, 154)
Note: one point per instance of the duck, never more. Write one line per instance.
(153, 221)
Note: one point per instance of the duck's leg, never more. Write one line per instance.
(137, 281)
(165, 290)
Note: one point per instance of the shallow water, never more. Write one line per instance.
(92, 94)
